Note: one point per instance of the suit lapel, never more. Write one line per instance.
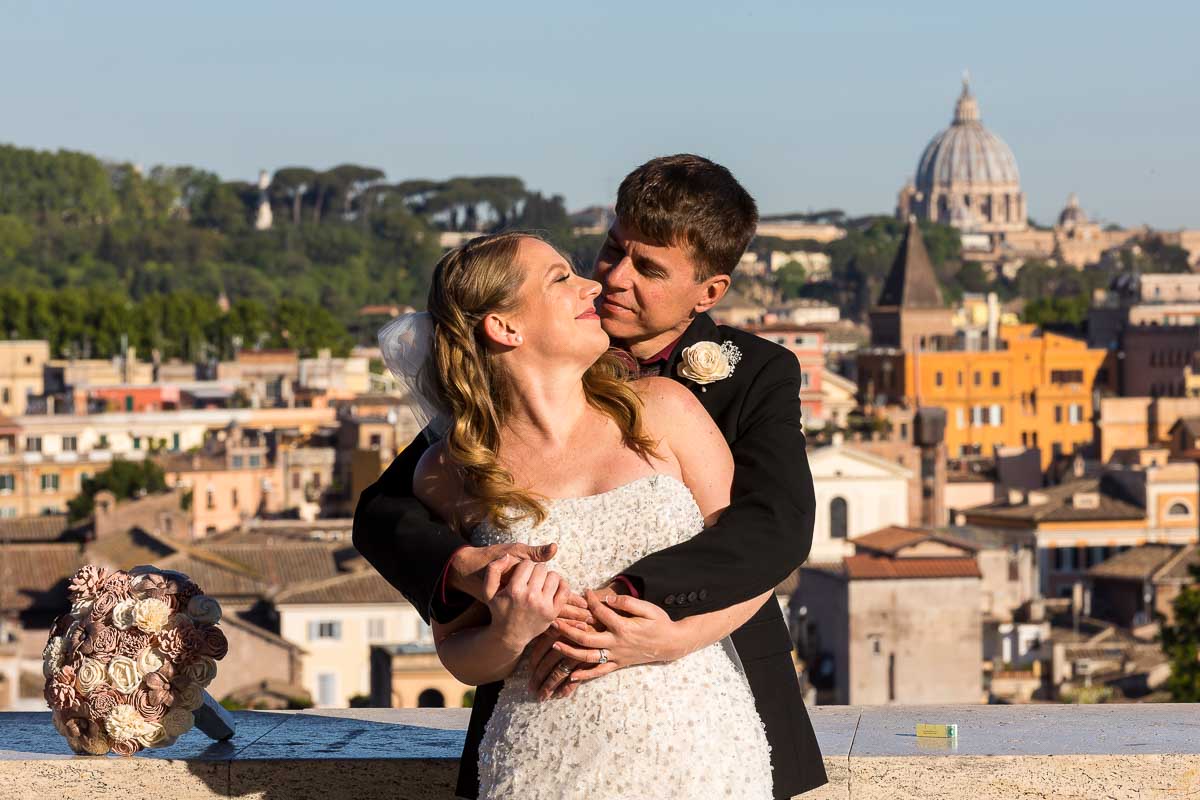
(702, 329)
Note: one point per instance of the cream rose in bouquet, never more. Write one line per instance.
(126, 668)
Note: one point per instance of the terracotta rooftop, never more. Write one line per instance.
(215, 579)
(1135, 564)
(868, 567)
(895, 538)
(124, 549)
(1058, 506)
(355, 587)
(34, 576)
(1180, 567)
(283, 564)
(44, 528)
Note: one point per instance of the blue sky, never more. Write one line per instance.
(812, 106)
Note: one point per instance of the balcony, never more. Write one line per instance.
(1104, 751)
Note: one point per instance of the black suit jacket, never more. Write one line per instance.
(764, 534)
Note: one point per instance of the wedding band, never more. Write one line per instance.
(563, 668)
(603, 656)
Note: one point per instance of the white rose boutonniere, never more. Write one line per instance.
(708, 362)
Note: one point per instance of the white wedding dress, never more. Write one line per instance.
(687, 729)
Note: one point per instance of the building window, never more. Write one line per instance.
(1075, 412)
(255, 461)
(1179, 510)
(33, 444)
(137, 443)
(803, 385)
(50, 482)
(5, 396)
(1070, 375)
(937, 378)
(837, 518)
(431, 698)
(233, 498)
(237, 462)
(8, 482)
(960, 417)
(995, 378)
(978, 378)
(8, 512)
(70, 444)
(325, 629)
(375, 629)
(997, 415)
(103, 443)
(129, 402)
(377, 440)
(296, 481)
(1058, 415)
(327, 688)
(960, 377)
(210, 499)
(175, 441)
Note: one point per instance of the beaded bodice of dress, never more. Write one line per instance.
(601, 534)
(685, 728)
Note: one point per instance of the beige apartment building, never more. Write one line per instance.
(897, 622)
(336, 621)
(22, 373)
(45, 457)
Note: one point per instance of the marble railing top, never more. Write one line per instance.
(843, 731)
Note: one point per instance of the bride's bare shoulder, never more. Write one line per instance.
(671, 411)
(663, 396)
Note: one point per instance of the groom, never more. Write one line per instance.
(682, 224)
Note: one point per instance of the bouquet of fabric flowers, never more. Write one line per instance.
(127, 666)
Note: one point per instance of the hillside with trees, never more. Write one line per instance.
(91, 250)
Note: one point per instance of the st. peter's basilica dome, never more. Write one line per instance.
(967, 176)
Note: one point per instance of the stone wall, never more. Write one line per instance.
(1120, 752)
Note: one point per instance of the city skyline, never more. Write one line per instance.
(812, 109)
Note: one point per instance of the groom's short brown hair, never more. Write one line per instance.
(688, 201)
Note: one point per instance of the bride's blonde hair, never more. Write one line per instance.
(483, 277)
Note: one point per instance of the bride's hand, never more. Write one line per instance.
(635, 632)
(527, 603)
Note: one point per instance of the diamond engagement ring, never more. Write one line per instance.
(603, 656)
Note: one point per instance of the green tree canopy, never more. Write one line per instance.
(1181, 644)
(125, 479)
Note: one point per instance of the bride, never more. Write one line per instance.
(547, 441)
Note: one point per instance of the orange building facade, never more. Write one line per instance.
(1032, 390)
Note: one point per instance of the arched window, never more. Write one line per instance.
(431, 698)
(837, 518)
(1179, 510)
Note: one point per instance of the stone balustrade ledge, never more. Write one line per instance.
(1046, 751)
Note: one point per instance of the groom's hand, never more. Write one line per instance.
(634, 632)
(471, 568)
(551, 669)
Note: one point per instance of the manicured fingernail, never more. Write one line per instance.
(610, 599)
(557, 647)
